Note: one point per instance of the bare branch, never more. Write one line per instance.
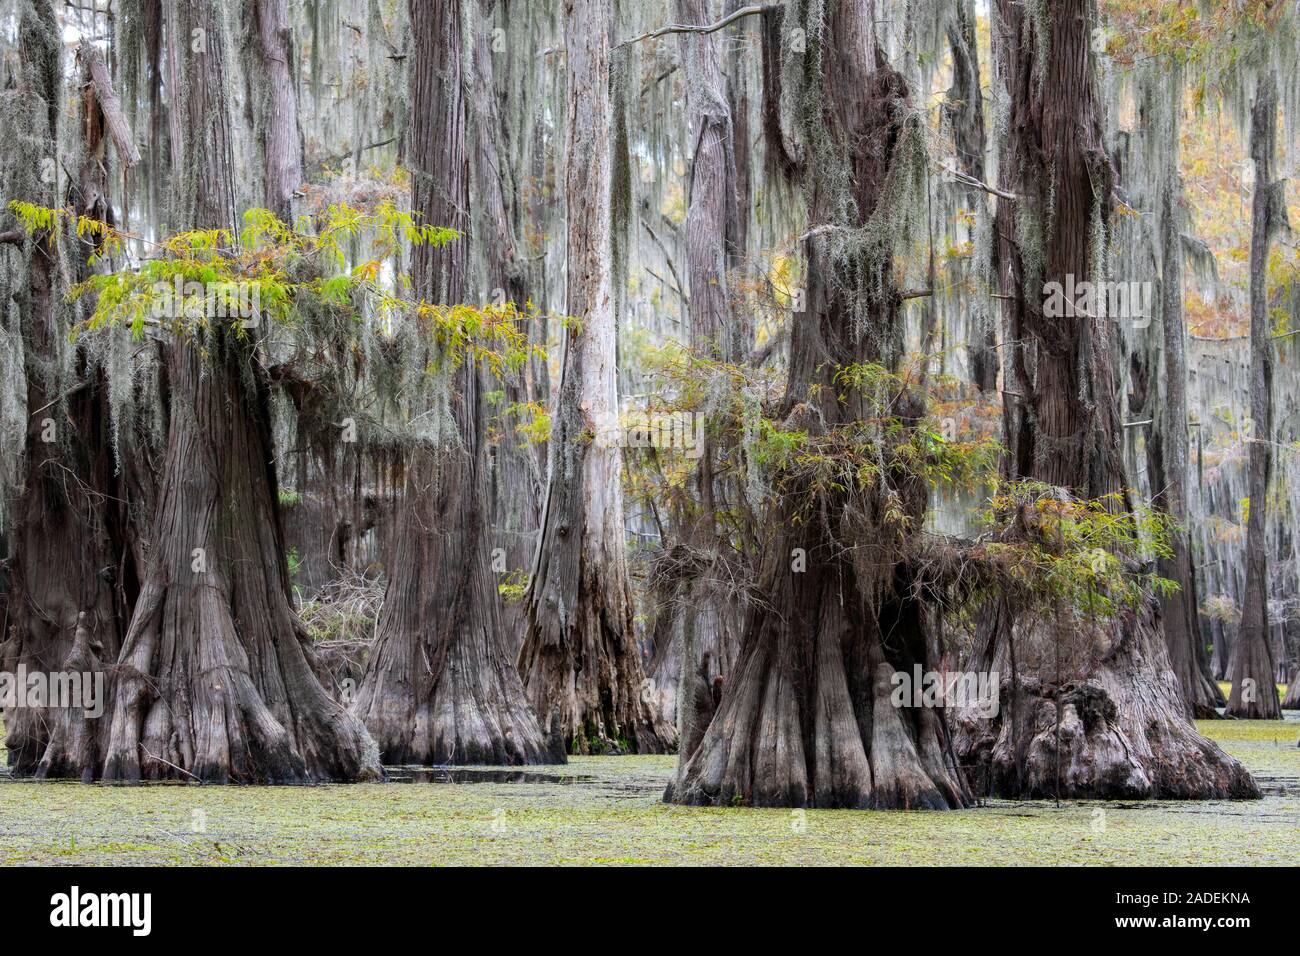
(971, 181)
(700, 28)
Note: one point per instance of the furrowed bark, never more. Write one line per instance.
(964, 107)
(1009, 267)
(440, 686)
(213, 683)
(807, 717)
(1099, 712)
(702, 606)
(1167, 449)
(738, 106)
(66, 544)
(283, 140)
(581, 665)
(518, 467)
(1253, 672)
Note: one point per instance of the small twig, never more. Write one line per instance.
(168, 763)
(668, 260)
(819, 230)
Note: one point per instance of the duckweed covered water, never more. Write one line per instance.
(609, 810)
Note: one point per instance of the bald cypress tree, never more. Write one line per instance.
(441, 686)
(69, 571)
(580, 662)
(806, 717)
(214, 682)
(1253, 670)
(1092, 712)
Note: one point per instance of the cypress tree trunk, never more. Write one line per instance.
(279, 127)
(806, 718)
(1091, 714)
(517, 466)
(1292, 699)
(66, 540)
(580, 661)
(440, 686)
(737, 52)
(328, 513)
(699, 602)
(214, 681)
(1253, 694)
(1221, 652)
(964, 108)
(1167, 449)
(1009, 270)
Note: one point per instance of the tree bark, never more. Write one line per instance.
(964, 108)
(806, 718)
(440, 686)
(281, 136)
(1167, 449)
(518, 467)
(1292, 699)
(1093, 713)
(1253, 695)
(580, 661)
(702, 605)
(66, 541)
(737, 74)
(109, 105)
(214, 681)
